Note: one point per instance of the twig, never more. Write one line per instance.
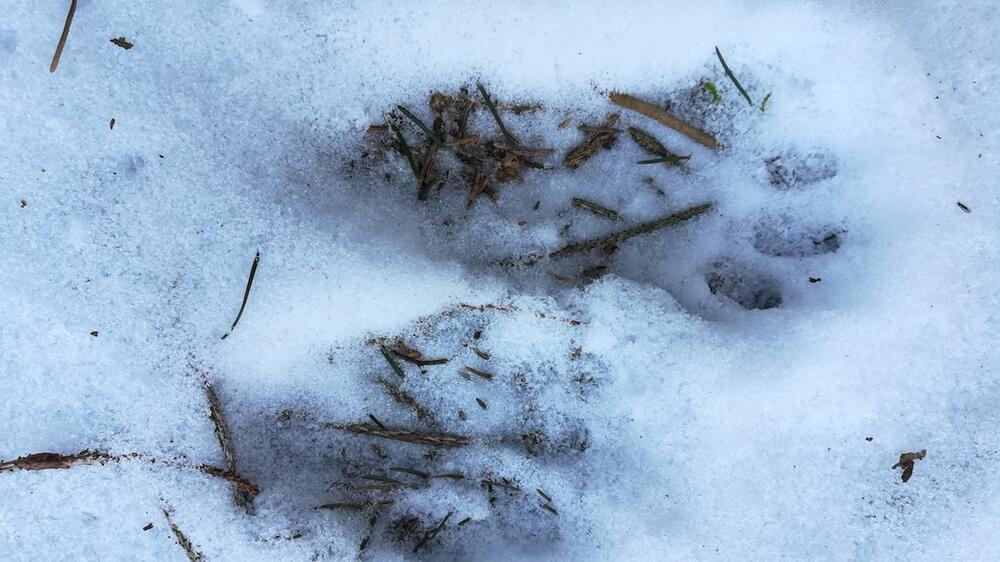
(445, 440)
(246, 295)
(732, 77)
(651, 144)
(433, 136)
(50, 461)
(405, 399)
(392, 362)
(496, 116)
(62, 38)
(192, 554)
(664, 117)
(596, 209)
(622, 235)
(240, 494)
(600, 137)
(432, 533)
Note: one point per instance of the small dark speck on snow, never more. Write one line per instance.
(122, 42)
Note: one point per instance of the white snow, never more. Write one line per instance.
(665, 421)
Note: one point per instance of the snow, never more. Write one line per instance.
(701, 400)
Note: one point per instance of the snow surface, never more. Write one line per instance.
(665, 421)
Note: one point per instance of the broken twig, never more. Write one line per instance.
(241, 494)
(596, 209)
(182, 540)
(616, 238)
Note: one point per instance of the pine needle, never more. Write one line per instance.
(496, 116)
(63, 37)
(732, 77)
(431, 134)
(405, 148)
(392, 362)
(246, 294)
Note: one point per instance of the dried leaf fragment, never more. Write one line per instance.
(906, 462)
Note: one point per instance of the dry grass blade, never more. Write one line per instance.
(432, 533)
(664, 117)
(246, 294)
(622, 235)
(496, 117)
(445, 440)
(62, 38)
(732, 77)
(596, 209)
(482, 354)
(542, 493)
(405, 399)
(550, 509)
(241, 494)
(182, 540)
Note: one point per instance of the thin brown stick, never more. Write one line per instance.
(182, 540)
(54, 461)
(599, 210)
(663, 116)
(240, 495)
(445, 440)
(622, 235)
(403, 398)
(62, 38)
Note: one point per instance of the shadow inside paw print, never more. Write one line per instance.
(791, 170)
(749, 288)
